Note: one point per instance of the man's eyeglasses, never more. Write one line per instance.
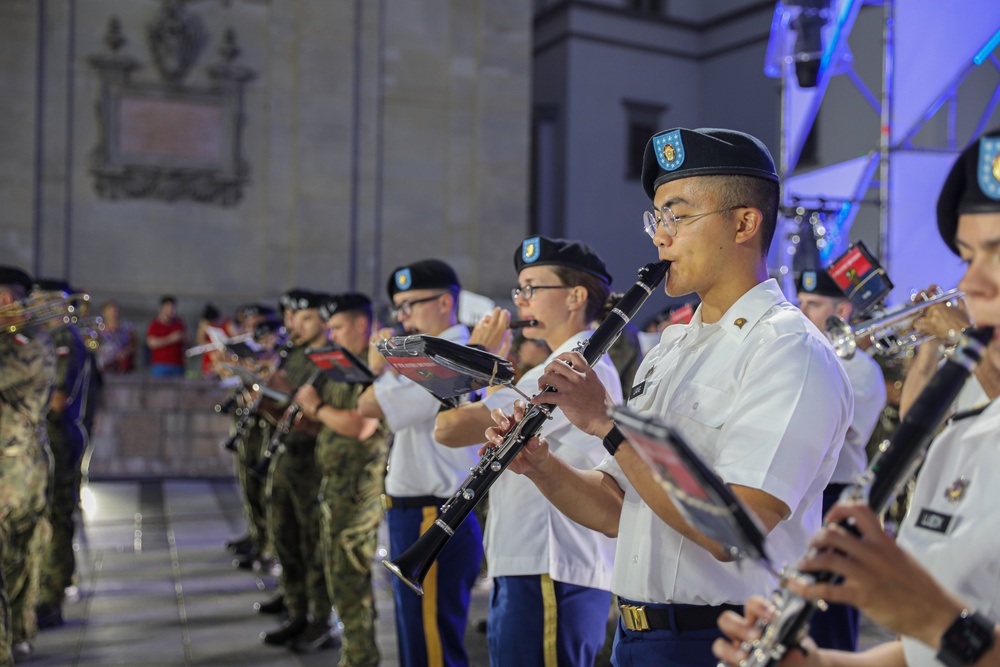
(528, 291)
(405, 309)
(650, 219)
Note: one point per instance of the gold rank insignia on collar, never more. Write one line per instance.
(740, 321)
(957, 489)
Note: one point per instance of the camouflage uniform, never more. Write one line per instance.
(27, 372)
(67, 440)
(248, 455)
(293, 485)
(351, 509)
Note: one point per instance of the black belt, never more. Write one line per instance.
(640, 617)
(411, 502)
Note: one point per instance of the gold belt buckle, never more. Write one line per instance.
(386, 502)
(634, 617)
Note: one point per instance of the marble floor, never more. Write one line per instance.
(156, 586)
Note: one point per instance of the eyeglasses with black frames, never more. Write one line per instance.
(526, 292)
(405, 309)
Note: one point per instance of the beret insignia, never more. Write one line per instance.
(989, 167)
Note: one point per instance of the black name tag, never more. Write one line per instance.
(637, 390)
(934, 521)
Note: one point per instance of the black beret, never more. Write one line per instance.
(819, 283)
(268, 326)
(51, 285)
(346, 303)
(972, 186)
(290, 299)
(543, 251)
(302, 299)
(248, 310)
(425, 274)
(682, 153)
(11, 275)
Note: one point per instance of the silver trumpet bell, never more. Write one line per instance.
(890, 335)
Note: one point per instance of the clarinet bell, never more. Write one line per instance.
(413, 564)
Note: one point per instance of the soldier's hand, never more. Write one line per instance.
(308, 398)
(944, 321)
(376, 361)
(532, 456)
(579, 393)
(492, 332)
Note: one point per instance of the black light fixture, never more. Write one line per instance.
(808, 26)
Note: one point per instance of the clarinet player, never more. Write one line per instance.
(937, 585)
(744, 382)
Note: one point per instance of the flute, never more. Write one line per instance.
(520, 324)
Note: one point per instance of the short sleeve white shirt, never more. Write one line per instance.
(418, 464)
(763, 398)
(525, 534)
(953, 525)
(868, 386)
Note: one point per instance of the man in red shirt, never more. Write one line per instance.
(166, 339)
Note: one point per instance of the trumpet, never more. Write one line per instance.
(890, 335)
(41, 308)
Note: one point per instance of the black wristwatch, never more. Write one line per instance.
(613, 440)
(968, 638)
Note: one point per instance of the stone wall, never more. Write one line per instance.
(376, 133)
(160, 427)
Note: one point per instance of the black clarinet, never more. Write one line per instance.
(282, 430)
(413, 564)
(895, 462)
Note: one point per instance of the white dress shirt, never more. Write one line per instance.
(953, 525)
(868, 386)
(418, 464)
(765, 401)
(525, 534)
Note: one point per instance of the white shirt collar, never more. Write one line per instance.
(748, 310)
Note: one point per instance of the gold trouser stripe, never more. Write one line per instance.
(432, 638)
(550, 622)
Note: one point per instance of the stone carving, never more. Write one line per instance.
(175, 40)
(165, 139)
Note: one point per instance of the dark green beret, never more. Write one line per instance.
(819, 283)
(11, 275)
(972, 186)
(425, 274)
(682, 153)
(543, 251)
(346, 303)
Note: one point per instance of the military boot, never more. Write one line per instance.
(287, 631)
(318, 635)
